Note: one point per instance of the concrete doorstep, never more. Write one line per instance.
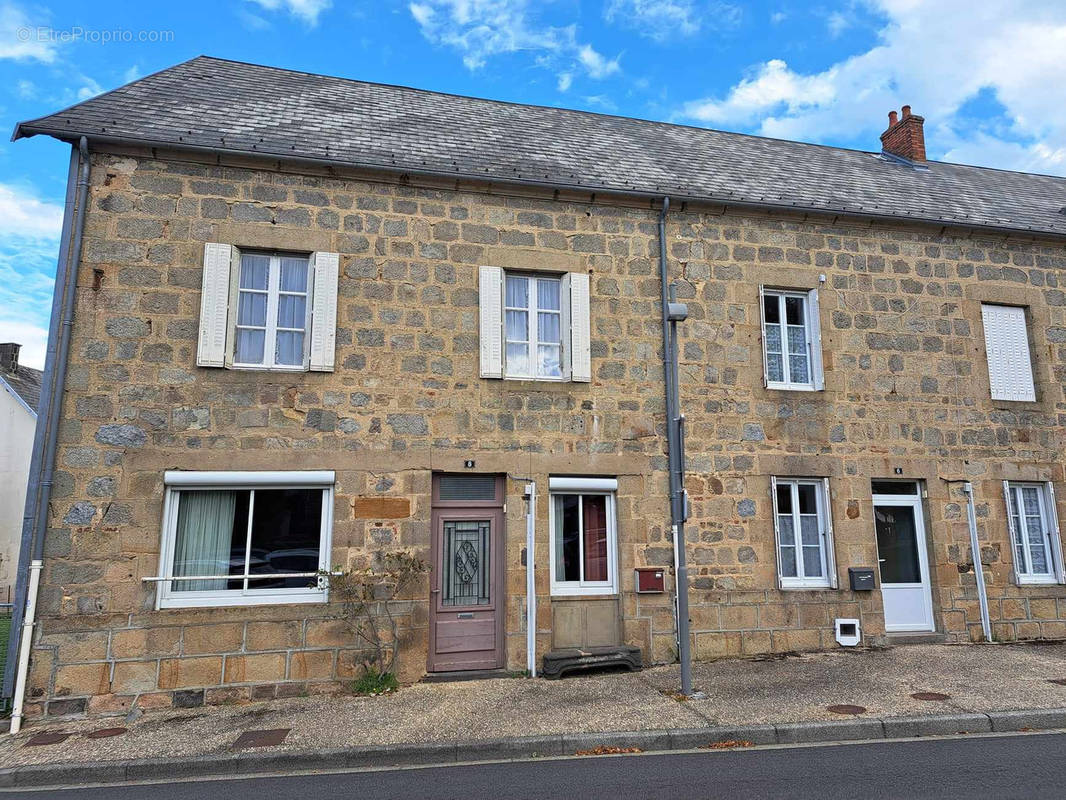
(504, 749)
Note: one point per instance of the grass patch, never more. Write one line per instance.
(372, 684)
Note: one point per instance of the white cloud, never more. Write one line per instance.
(33, 338)
(22, 38)
(837, 23)
(663, 20)
(307, 11)
(24, 216)
(482, 29)
(778, 17)
(26, 89)
(937, 57)
(602, 102)
(131, 74)
(90, 88)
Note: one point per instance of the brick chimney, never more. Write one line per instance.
(905, 136)
(9, 357)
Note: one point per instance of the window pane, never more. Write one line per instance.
(465, 573)
(567, 543)
(894, 487)
(547, 294)
(797, 340)
(773, 338)
(594, 512)
(1034, 530)
(809, 530)
(517, 292)
(788, 562)
(794, 311)
(293, 274)
(252, 309)
(549, 363)
(255, 272)
(808, 498)
(772, 309)
(517, 326)
(797, 367)
(292, 311)
(209, 539)
(518, 359)
(286, 534)
(290, 348)
(785, 530)
(812, 562)
(775, 370)
(897, 544)
(250, 346)
(548, 328)
(784, 498)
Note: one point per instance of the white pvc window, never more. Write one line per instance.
(1033, 533)
(583, 538)
(273, 312)
(791, 339)
(533, 327)
(244, 538)
(804, 533)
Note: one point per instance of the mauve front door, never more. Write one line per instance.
(466, 607)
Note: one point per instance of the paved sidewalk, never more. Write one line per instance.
(772, 692)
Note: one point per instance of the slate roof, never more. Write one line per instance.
(235, 107)
(25, 383)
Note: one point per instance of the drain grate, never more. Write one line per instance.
(846, 709)
(931, 696)
(104, 733)
(268, 738)
(46, 737)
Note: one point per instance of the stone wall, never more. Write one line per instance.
(906, 388)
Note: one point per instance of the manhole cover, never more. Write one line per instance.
(931, 696)
(1059, 681)
(104, 733)
(268, 738)
(46, 737)
(846, 709)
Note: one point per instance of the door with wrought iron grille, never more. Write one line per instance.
(466, 618)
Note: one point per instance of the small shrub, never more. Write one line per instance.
(374, 683)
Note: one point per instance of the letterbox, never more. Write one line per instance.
(651, 580)
(862, 579)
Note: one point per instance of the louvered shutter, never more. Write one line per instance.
(564, 326)
(221, 261)
(827, 533)
(1011, 531)
(1054, 532)
(490, 302)
(765, 366)
(325, 267)
(815, 321)
(580, 328)
(1010, 369)
(777, 529)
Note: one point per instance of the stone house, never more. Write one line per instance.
(316, 320)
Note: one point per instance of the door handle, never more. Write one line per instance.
(882, 560)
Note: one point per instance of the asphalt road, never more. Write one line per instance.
(1021, 766)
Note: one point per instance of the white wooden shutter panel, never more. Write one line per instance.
(1054, 532)
(765, 367)
(580, 328)
(815, 322)
(564, 326)
(325, 267)
(827, 533)
(1011, 532)
(777, 530)
(490, 303)
(1010, 368)
(220, 260)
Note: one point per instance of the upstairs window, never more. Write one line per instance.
(273, 311)
(1034, 532)
(1010, 368)
(792, 342)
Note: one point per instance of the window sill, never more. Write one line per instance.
(261, 368)
(584, 592)
(222, 601)
(1048, 581)
(787, 387)
(805, 587)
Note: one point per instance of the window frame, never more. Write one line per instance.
(178, 481)
(273, 293)
(809, 298)
(1028, 577)
(583, 588)
(825, 532)
(533, 340)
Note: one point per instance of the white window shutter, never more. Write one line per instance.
(580, 328)
(1054, 532)
(777, 530)
(564, 326)
(1011, 532)
(815, 322)
(220, 260)
(765, 367)
(490, 302)
(1010, 367)
(830, 550)
(325, 267)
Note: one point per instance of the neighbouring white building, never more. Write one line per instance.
(20, 392)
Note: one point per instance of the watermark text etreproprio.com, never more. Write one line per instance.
(90, 35)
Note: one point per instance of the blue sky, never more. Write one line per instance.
(986, 75)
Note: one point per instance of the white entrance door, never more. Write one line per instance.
(904, 563)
